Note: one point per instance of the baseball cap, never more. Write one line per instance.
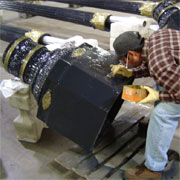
(128, 41)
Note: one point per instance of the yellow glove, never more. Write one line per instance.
(153, 95)
(119, 69)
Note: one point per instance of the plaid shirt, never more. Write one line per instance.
(161, 60)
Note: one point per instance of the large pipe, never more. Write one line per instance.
(78, 17)
(96, 20)
(10, 33)
(74, 96)
(141, 8)
(132, 7)
(159, 11)
(99, 21)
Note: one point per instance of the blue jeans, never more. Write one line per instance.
(162, 125)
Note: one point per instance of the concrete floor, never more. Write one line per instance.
(22, 160)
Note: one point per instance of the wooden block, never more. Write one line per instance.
(116, 146)
(127, 156)
(117, 160)
(71, 158)
(76, 155)
(126, 152)
(98, 159)
(135, 161)
(88, 165)
(116, 176)
(119, 128)
(99, 174)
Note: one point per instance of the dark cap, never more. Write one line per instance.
(128, 41)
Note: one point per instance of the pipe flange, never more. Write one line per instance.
(99, 19)
(147, 8)
(36, 36)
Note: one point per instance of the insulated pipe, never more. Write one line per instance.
(9, 33)
(96, 20)
(123, 19)
(99, 21)
(131, 7)
(160, 11)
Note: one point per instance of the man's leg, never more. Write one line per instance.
(162, 125)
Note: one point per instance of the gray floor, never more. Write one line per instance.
(21, 160)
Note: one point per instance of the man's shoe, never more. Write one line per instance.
(142, 173)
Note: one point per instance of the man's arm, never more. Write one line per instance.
(141, 71)
(164, 63)
(171, 84)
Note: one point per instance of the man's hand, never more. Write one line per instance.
(153, 95)
(119, 69)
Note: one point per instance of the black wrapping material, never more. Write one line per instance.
(33, 67)
(18, 57)
(78, 17)
(44, 72)
(174, 21)
(162, 13)
(84, 101)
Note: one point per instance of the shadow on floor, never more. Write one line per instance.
(2, 171)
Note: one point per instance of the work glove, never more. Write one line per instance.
(119, 69)
(152, 96)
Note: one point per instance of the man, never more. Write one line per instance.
(159, 56)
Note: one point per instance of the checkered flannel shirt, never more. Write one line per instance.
(161, 60)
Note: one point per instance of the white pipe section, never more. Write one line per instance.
(52, 40)
(130, 19)
(133, 21)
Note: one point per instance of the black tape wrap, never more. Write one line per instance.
(24, 58)
(163, 11)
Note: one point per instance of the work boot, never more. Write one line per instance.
(142, 173)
